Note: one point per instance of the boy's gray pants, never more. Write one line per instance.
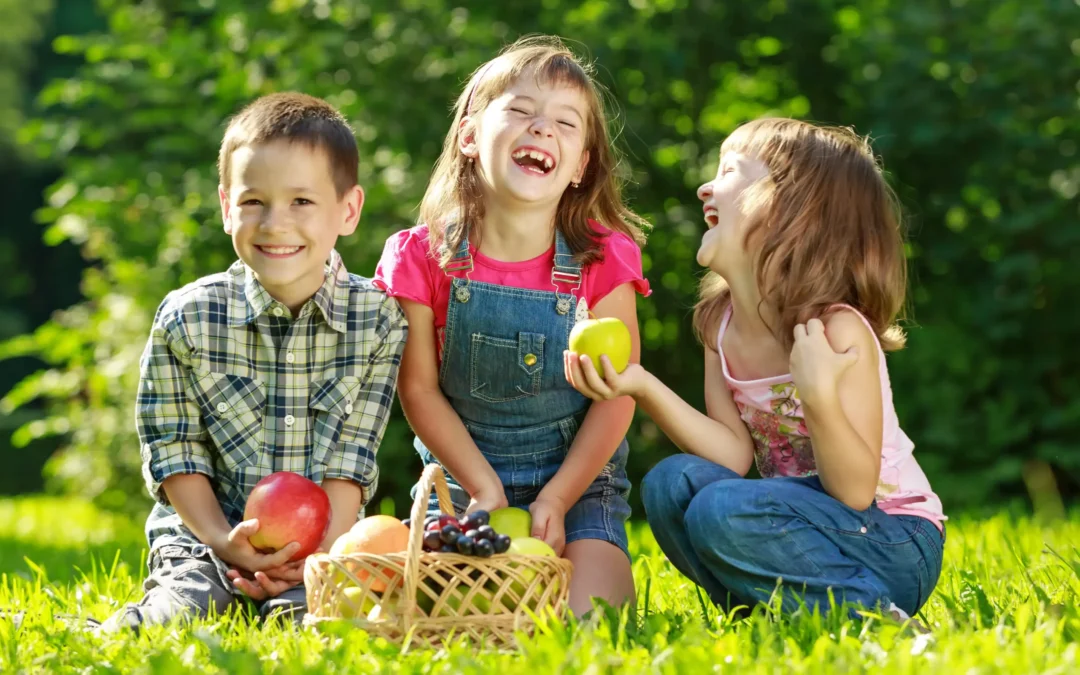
(189, 581)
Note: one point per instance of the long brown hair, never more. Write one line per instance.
(454, 200)
(825, 229)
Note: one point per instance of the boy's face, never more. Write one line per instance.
(284, 216)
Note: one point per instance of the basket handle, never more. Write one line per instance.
(433, 476)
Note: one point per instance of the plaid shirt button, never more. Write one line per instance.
(290, 357)
(222, 407)
(289, 420)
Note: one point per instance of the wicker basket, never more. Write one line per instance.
(431, 598)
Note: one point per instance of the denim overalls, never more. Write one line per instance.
(502, 372)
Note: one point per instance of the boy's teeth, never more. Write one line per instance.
(280, 250)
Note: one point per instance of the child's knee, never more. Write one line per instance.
(183, 597)
(727, 514)
(662, 486)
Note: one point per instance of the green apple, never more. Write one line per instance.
(512, 521)
(530, 546)
(525, 546)
(352, 605)
(594, 337)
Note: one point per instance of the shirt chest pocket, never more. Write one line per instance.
(232, 408)
(334, 405)
(503, 369)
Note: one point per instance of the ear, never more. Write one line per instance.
(354, 204)
(580, 173)
(226, 207)
(467, 137)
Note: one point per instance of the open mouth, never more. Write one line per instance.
(534, 160)
(279, 251)
(712, 217)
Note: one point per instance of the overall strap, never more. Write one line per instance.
(566, 270)
(462, 260)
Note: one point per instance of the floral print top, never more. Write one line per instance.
(772, 412)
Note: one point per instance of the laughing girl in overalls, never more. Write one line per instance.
(510, 254)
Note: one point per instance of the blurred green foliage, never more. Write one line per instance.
(973, 105)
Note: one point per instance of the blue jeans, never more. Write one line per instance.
(737, 537)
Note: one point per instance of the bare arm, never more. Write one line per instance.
(605, 423)
(836, 372)
(345, 500)
(434, 420)
(720, 436)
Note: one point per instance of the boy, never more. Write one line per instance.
(285, 362)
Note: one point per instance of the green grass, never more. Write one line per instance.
(1007, 603)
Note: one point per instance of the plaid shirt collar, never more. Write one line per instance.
(332, 298)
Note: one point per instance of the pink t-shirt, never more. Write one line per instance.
(408, 270)
(773, 413)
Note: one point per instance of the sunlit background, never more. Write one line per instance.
(111, 112)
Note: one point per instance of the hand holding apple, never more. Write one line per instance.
(235, 548)
(549, 523)
(289, 508)
(581, 373)
(597, 337)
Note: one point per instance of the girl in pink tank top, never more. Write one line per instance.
(806, 278)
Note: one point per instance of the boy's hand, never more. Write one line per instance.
(269, 583)
(582, 375)
(549, 522)
(235, 548)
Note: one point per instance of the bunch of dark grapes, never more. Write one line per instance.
(472, 535)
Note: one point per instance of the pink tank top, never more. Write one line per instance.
(773, 414)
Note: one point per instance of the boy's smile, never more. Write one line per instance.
(285, 216)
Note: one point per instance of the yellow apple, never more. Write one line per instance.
(525, 546)
(594, 337)
(351, 606)
(512, 521)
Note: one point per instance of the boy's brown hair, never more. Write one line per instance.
(297, 118)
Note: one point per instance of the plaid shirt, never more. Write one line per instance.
(235, 388)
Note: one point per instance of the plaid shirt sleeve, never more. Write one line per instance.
(172, 436)
(353, 458)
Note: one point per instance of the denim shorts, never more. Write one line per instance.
(526, 459)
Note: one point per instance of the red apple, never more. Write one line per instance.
(289, 508)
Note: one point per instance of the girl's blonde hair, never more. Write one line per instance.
(825, 229)
(453, 200)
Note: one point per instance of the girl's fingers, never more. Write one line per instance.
(577, 377)
(593, 378)
(610, 376)
(800, 331)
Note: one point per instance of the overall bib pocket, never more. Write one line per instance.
(502, 369)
